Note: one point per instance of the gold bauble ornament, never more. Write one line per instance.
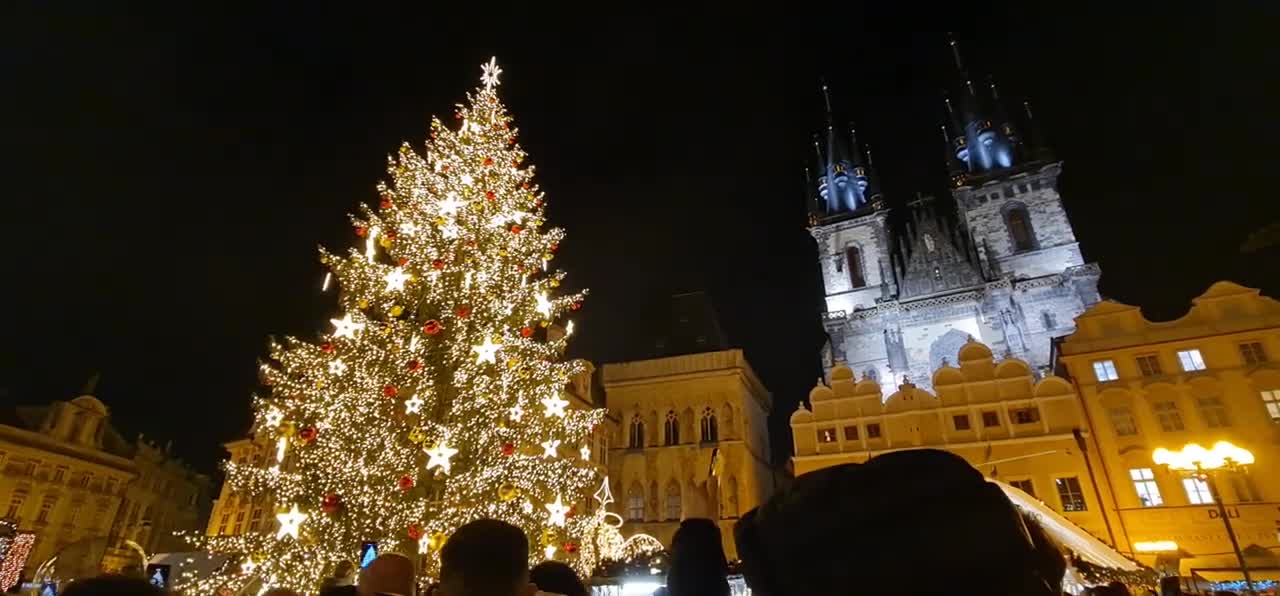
(548, 538)
(362, 304)
(555, 283)
(384, 242)
(440, 221)
(397, 310)
(502, 252)
(508, 491)
(512, 363)
(436, 541)
(287, 429)
(417, 436)
(319, 383)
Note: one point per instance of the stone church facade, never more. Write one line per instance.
(1003, 268)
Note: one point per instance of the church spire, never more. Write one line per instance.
(839, 186)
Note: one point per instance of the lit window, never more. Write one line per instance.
(1025, 486)
(851, 432)
(671, 429)
(873, 431)
(635, 504)
(1149, 365)
(1144, 481)
(1213, 411)
(59, 474)
(1252, 353)
(990, 419)
(1190, 360)
(827, 435)
(1025, 415)
(961, 421)
(1168, 415)
(1105, 370)
(636, 438)
(1122, 421)
(1197, 491)
(710, 431)
(673, 501)
(1271, 399)
(1069, 493)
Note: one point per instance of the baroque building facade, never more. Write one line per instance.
(92, 498)
(1004, 268)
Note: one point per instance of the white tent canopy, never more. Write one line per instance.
(1067, 534)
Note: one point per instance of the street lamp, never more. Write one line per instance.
(1200, 463)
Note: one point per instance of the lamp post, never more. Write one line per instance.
(1200, 463)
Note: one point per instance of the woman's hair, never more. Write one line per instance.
(698, 565)
(557, 578)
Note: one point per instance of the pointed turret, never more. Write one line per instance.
(983, 140)
(844, 179)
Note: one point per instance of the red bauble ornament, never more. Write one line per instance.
(508, 448)
(570, 547)
(526, 332)
(519, 268)
(403, 261)
(390, 235)
(307, 434)
(361, 231)
(515, 229)
(331, 503)
(555, 246)
(463, 312)
(414, 365)
(405, 483)
(432, 327)
(437, 264)
(572, 511)
(385, 204)
(575, 306)
(414, 531)
(524, 185)
(457, 115)
(326, 347)
(445, 168)
(471, 244)
(389, 391)
(489, 194)
(488, 161)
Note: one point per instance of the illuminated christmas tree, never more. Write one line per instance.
(438, 396)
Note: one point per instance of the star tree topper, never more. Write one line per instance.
(490, 74)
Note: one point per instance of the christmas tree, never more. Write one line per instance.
(437, 398)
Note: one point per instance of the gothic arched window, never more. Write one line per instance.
(636, 439)
(635, 503)
(673, 501)
(710, 432)
(671, 429)
(857, 278)
(1019, 223)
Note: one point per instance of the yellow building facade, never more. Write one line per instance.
(691, 441)
(235, 512)
(998, 416)
(1211, 375)
(65, 473)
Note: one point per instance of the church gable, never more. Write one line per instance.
(936, 256)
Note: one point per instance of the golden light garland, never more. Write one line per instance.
(432, 399)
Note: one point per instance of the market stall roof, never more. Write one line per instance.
(1066, 533)
(1234, 575)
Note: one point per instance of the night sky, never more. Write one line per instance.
(169, 175)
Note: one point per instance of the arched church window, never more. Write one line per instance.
(671, 429)
(636, 439)
(857, 278)
(1019, 224)
(635, 503)
(710, 432)
(673, 501)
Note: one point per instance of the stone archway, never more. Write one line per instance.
(945, 348)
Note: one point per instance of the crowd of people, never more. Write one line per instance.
(909, 522)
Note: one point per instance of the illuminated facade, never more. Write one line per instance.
(1211, 375)
(692, 437)
(235, 513)
(66, 473)
(1005, 268)
(996, 414)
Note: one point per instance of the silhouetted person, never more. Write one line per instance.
(557, 578)
(908, 522)
(387, 574)
(698, 565)
(486, 557)
(112, 585)
(342, 582)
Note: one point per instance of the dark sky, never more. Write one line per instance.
(168, 175)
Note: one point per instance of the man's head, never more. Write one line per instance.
(344, 569)
(387, 574)
(486, 557)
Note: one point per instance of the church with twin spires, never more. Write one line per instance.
(1004, 268)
